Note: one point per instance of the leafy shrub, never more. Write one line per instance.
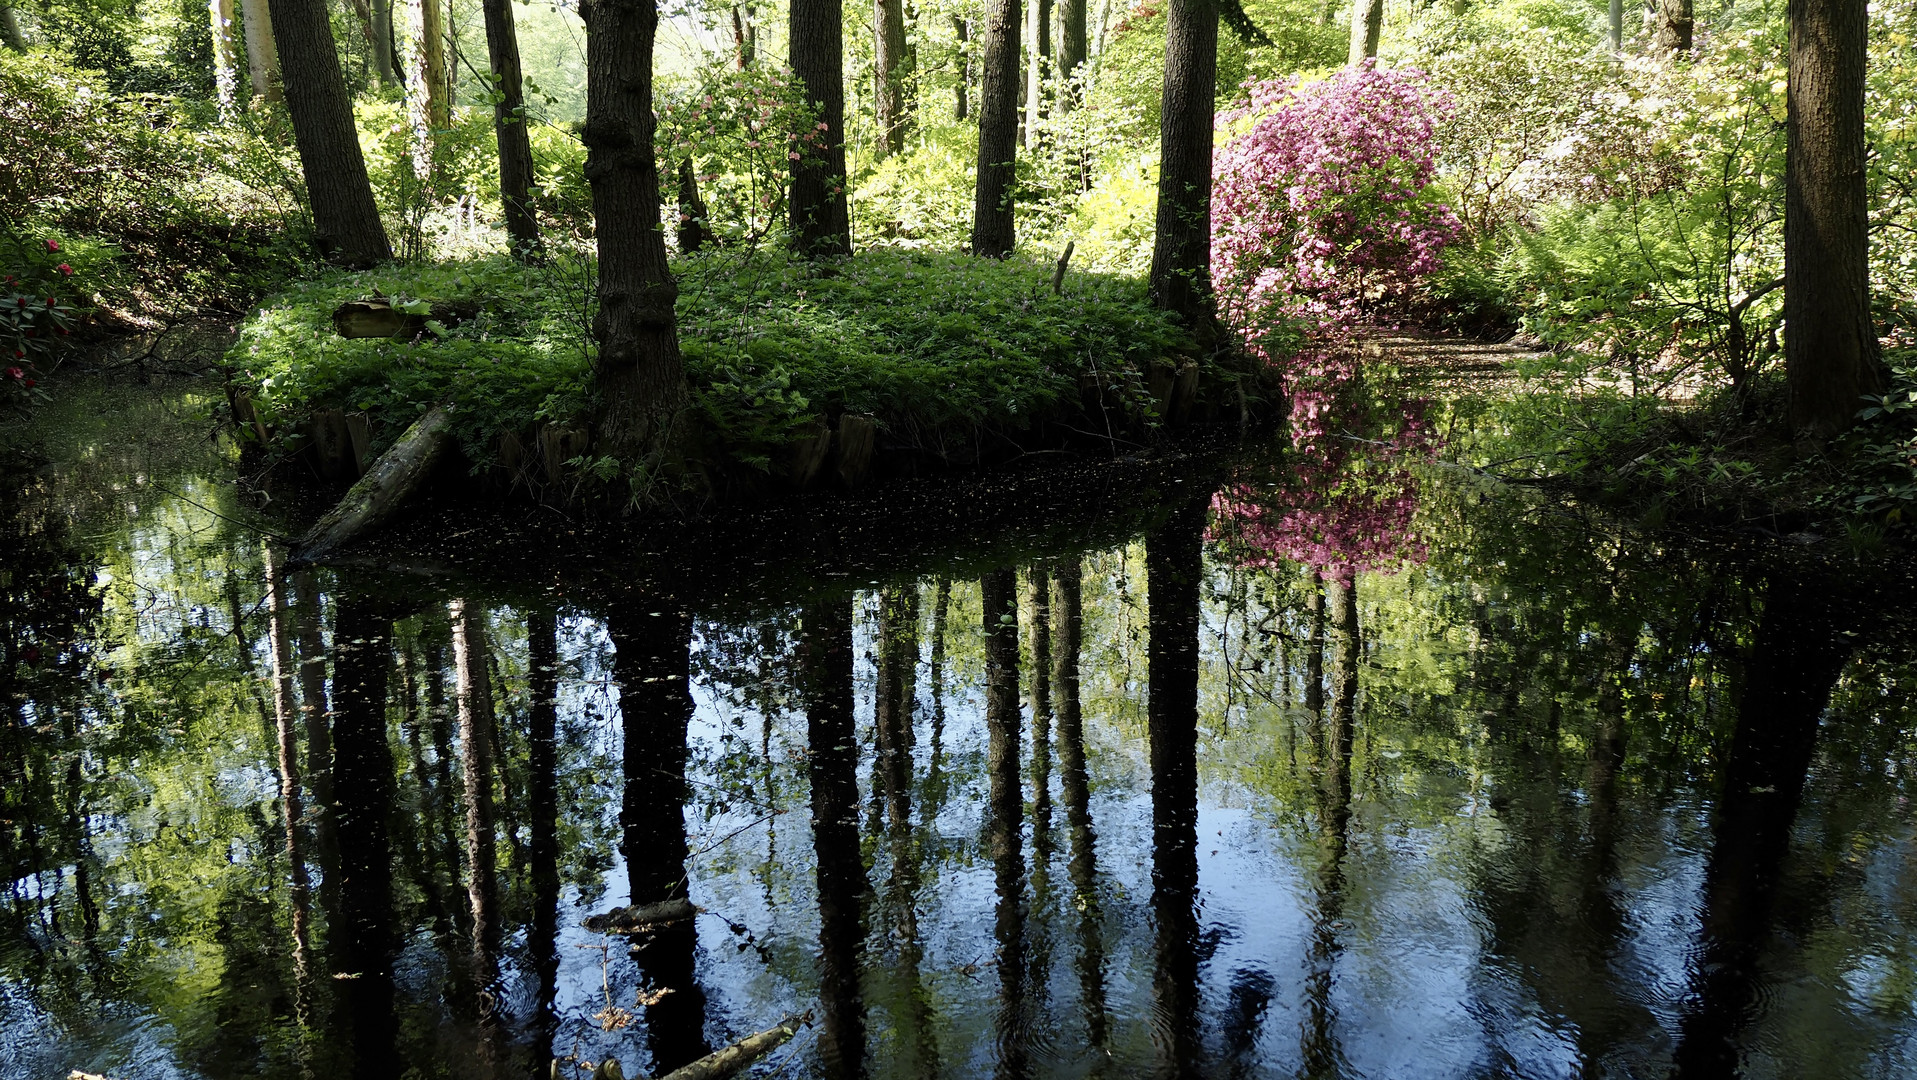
(200, 217)
(1322, 214)
(742, 130)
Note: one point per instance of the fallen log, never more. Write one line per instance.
(384, 490)
(736, 1057)
(380, 319)
(631, 920)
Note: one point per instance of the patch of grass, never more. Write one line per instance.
(931, 345)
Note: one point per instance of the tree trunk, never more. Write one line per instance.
(226, 59)
(12, 38)
(1181, 247)
(509, 127)
(1617, 25)
(345, 219)
(426, 84)
(1038, 68)
(1674, 22)
(1367, 22)
(642, 384)
(1071, 51)
(888, 79)
(474, 698)
(963, 30)
(385, 65)
(821, 224)
(993, 234)
(285, 708)
(259, 24)
(1830, 352)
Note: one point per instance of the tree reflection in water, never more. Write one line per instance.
(1280, 813)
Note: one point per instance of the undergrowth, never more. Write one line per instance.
(933, 346)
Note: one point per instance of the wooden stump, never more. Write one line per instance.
(558, 446)
(858, 435)
(808, 454)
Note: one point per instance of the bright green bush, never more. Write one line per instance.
(933, 346)
(200, 217)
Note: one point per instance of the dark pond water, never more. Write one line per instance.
(1179, 767)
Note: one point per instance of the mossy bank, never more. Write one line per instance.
(944, 361)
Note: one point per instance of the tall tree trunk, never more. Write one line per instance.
(1617, 25)
(642, 384)
(961, 107)
(1071, 51)
(345, 218)
(385, 57)
(1674, 22)
(826, 658)
(888, 74)
(1181, 243)
(509, 127)
(1342, 599)
(821, 222)
(426, 112)
(260, 26)
(1367, 22)
(993, 233)
(1174, 566)
(1038, 67)
(12, 38)
(1831, 354)
(226, 58)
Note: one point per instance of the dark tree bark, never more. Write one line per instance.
(1038, 67)
(1071, 50)
(821, 224)
(641, 381)
(509, 127)
(1617, 25)
(1181, 244)
(345, 219)
(1315, 650)
(888, 74)
(385, 56)
(1831, 354)
(473, 696)
(961, 107)
(826, 660)
(1174, 567)
(694, 235)
(299, 891)
(1674, 22)
(1342, 599)
(1367, 22)
(993, 233)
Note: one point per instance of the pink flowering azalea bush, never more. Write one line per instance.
(1323, 216)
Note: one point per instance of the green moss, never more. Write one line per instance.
(931, 344)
